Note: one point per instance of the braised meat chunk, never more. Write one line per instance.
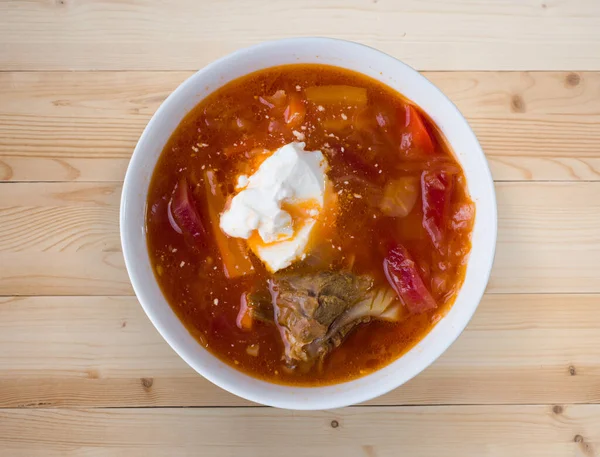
(314, 312)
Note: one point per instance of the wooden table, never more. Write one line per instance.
(84, 373)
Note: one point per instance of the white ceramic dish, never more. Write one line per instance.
(380, 67)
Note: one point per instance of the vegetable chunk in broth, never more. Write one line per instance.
(308, 224)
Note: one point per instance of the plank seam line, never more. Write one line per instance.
(201, 407)
(185, 70)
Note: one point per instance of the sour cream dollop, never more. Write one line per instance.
(279, 205)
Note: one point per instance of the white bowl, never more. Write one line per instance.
(378, 66)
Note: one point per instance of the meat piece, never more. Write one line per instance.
(314, 312)
(380, 304)
(260, 305)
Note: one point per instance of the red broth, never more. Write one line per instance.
(403, 214)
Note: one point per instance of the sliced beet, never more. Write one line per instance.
(403, 275)
(183, 214)
(436, 188)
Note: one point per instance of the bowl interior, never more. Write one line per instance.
(353, 57)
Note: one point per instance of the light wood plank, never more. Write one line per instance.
(103, 351)
(63, 273)
(532, 126)
(151, 34)
(548, 238)
(84, 126)
(481, 431)
(60, 195)
(63, 239)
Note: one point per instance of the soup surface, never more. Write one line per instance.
(308, 224)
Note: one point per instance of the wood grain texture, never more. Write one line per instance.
(548, 238)
(154, 35)
(57, 126)
(484, 431)
(63, 239)
(103, 351)
(84, 373)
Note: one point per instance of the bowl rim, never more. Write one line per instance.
(282, 401)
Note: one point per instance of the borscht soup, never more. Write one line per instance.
(308, 224)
